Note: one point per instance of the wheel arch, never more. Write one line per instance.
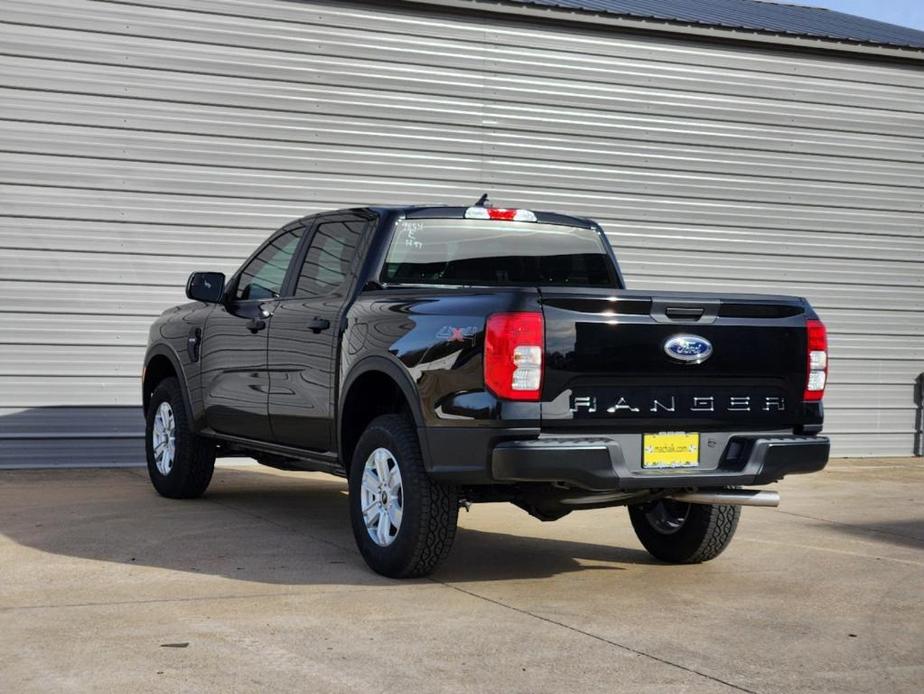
(160, 362)
(394, 392)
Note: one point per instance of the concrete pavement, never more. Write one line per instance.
(104, 586)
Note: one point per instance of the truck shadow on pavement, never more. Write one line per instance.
(901, 533)
(263, 527)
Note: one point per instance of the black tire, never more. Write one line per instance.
(682, 533)
(430, 509)
(194, 459)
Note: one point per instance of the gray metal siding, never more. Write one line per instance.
(140, 141)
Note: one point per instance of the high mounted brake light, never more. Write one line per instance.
(499, 214)
(816, 360)
(513, 348)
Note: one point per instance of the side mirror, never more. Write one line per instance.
(206, 286)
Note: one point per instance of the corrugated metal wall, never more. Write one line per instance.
(143, 140)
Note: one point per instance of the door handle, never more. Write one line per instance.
(316, 325)
(255, 325)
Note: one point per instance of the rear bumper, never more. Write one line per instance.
(602, 463)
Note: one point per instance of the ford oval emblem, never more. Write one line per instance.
(691, 349)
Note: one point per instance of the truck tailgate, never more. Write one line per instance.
(608, 369)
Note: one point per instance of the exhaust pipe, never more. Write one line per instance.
(730, 497)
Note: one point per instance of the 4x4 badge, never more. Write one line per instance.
(453, 334)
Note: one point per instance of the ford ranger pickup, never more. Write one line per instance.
(441, 356)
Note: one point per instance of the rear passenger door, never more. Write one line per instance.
(305, 331)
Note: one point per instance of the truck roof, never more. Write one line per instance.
(456, 212)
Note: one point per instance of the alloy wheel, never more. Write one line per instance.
(164, 438)
(382, 497)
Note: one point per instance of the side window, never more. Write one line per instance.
(262, 278)
(329, 257)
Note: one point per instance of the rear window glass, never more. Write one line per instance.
(494, 253)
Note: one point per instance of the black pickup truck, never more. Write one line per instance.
(441, 356)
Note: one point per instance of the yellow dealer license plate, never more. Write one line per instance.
(670, 449)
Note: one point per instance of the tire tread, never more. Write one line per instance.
(723, 521)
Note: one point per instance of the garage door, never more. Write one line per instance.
(143, 140)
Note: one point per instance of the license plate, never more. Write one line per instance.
(670, 449)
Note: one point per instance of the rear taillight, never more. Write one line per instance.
(816, 360)
(513, 348)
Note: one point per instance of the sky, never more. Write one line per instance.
(909, 13)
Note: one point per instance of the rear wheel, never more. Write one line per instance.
(180, 464)
(682, 533)
(404, 522)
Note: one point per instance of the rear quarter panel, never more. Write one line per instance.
(435, 336)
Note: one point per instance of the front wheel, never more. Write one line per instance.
(683, 533)
(180, 463)
(403, 521)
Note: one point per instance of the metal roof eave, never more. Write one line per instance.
(677, 28)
